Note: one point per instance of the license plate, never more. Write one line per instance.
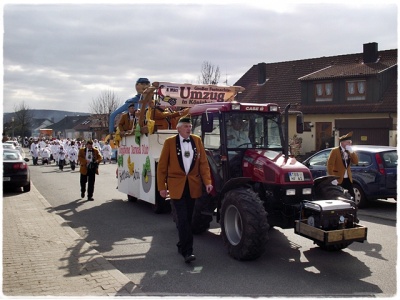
(296, 176)
(6, 178)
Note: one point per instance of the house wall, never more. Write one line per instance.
(309, 137)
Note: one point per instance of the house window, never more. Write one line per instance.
(355, 90)
(323, 92)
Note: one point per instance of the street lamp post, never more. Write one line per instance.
(12, 123)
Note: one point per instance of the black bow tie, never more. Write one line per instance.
(90, 150)
(186, 140)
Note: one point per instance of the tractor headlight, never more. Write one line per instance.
(307, 191)
(290, 192)
(235, 106)
(273, 108)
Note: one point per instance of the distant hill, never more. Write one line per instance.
(53, 115)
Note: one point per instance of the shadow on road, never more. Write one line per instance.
(139, 244)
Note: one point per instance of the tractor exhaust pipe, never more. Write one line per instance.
(286, 136)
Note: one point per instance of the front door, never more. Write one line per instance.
(323, 135)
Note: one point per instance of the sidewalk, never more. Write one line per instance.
(44, 257)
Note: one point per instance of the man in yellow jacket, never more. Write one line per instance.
(182, 169)
(89, 159)
(340, 160)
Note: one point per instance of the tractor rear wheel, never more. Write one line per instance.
(244, 224)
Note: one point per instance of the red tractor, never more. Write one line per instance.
(258, 184)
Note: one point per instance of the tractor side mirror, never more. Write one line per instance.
(207, 122)
(299, 123)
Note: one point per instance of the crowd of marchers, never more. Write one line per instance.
(61, 152)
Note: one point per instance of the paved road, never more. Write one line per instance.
(141, 245)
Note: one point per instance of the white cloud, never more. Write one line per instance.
(60, 56)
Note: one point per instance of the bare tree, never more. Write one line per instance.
(104, 105)
(210, 73)
(23, 118)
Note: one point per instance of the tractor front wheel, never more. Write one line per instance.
(244, 224)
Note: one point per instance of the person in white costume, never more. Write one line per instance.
(45, 155)
(35, 151)
(61, 158)
(106, 151)
(73, 155)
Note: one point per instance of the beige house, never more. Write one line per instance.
(336, 94)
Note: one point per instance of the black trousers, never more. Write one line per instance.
(90, 178)
(184, 211)
(348, 185)
(61, 163)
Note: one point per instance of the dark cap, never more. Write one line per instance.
(185, 119)
(132, 105)
(143, 80)
(346, 137)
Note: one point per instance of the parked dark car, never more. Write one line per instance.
(16, 172)
(374, 177)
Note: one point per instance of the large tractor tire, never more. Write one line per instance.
(244, 224)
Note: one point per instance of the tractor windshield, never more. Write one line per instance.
(243, 130)
(252, 130)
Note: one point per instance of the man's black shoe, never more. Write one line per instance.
(82, 195)
(90, 199)
(189, 258)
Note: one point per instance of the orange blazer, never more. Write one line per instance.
(82, 159)
(336, 166)
(171, 171)
(124, 122)
(162, 117)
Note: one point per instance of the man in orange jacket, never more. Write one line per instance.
(182, 169)
(128, 120)
(89, 159)
(163, 115)
(340, 160)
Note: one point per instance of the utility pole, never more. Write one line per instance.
(12, 123)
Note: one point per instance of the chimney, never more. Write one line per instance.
(370, 53)
(262, 73)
